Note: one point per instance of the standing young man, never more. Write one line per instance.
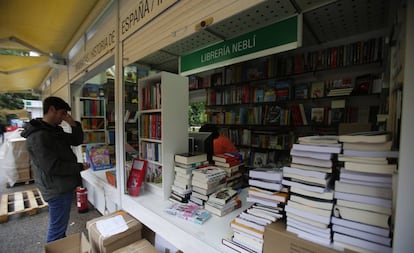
(57, 172)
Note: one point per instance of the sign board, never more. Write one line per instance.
(275, 38)
(134, 14)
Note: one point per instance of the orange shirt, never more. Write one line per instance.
(222, 144)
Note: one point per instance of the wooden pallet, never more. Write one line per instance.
(29, 202)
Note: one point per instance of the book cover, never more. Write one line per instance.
(371, 168)
(312, 161)
(366, 137)
(246, 229)
(260, 159)
(273, 114)
(309, 209)
(265, 194)
(323, 148)
(234, 246)
(216, 79)
(267, 173)
(98, 157)
(205, 184)
(208, 172)
(363, 84)
(228, 164)
(222, 210)
(377, 153)
(136, 176)
(361, 244)
(312, 202)
(222, 196)
(324, 182)
(296, 115)
(327, 195)
(301, 91)
(318, 115)
(317, 90)
(190, 158)
(382, 146)
(265, 184)
(225, 157)
(361, 226)
(251, 217)
(248, 241)
(379, 192)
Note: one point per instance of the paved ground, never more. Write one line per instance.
(23, 233)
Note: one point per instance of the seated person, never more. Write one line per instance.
(222, 143)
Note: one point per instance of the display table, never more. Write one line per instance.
(185, 235)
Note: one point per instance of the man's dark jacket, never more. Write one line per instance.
(55, 166)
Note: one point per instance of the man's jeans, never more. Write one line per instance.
(59, 213)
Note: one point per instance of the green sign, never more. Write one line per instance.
(274, 38)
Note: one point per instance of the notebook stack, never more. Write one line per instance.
(363, 193)
(205, 181)
(183, 167)
(231, 163)
(309, 179)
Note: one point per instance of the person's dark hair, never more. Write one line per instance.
(210, 128)
(57, 102)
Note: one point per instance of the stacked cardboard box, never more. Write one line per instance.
(103, 244)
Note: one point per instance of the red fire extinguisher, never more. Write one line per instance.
(82, 199)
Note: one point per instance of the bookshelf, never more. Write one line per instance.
(92, 112)
(163, 121)
(264, 104)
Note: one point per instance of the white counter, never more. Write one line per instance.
(185, 235)
(105, 197)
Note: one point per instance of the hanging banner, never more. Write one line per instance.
(282, 36)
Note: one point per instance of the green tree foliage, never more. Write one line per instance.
(13, 101)
(197, 114)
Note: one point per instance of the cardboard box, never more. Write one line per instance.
(100, 244)
(141, 246)
(76, 243)
(277, 239)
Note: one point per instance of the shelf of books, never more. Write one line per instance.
(267, 103)
(93, 118)
(163, 99)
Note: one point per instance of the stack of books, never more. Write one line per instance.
(264, 192)
(223, 201)
(363, 193)
(205, 181)
(309, 178)
(188, 211)
(183, 167)
(340, 87)
(231, 164)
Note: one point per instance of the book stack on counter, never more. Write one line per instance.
(231, 163)
(264, 192)
(188, 211)
(223, 201)
(309, 178)
(363, 193)
(183, 167)
(205, 181)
